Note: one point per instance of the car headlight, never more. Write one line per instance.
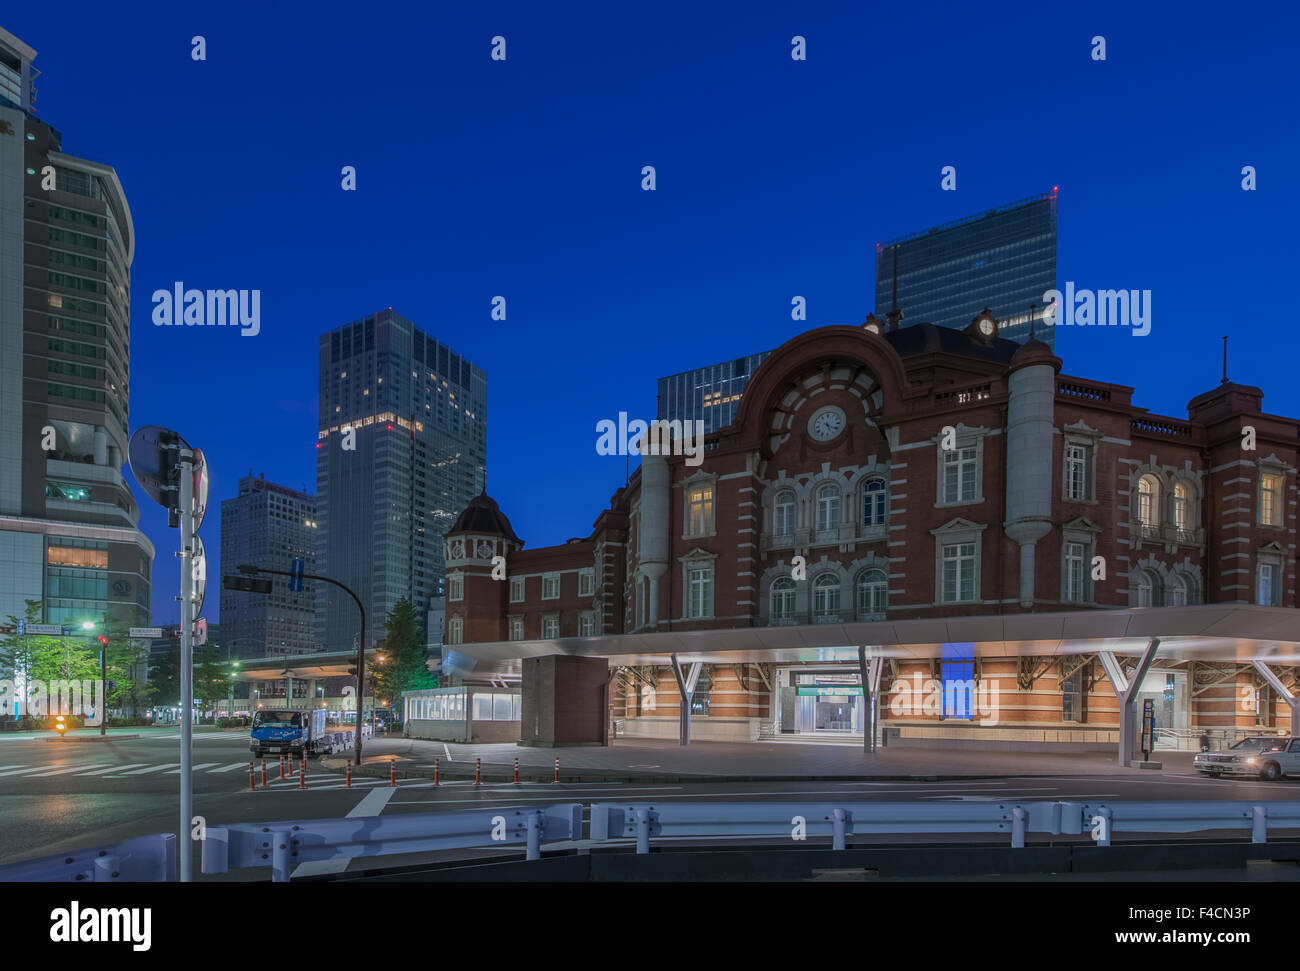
(1250, 761)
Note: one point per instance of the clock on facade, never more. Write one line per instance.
(826, 423)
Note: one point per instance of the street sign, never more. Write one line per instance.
(22, 628)
(200, 573)
(44, 630)
(145, 632)
(1148, 727)
(201, 631)
(152, 456)
(295, 581)
(201, 482)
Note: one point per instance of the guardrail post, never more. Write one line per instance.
(535, 821)
(1259, 825)
(105, 869)
(642, 831)
(1071, 819)
(1105, 813)
(280, 844)
(1018, 828)
(838, 830)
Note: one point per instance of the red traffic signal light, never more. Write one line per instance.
(103, 641)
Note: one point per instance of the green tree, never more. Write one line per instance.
(165, 677)
(405, 666)
(211, 676)
(128, 667)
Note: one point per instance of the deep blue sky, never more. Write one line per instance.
(775, 178)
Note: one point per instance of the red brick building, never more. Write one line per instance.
(922, 474)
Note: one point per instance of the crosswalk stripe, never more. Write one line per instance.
(154, 768)
(62, 771)
(114, 768)
(194, 768)
(232, 765)
(39, 768)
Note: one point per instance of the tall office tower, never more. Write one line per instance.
(709, 393)
(68, 522)
(401, 449)
(1004, 259)
(269, 525)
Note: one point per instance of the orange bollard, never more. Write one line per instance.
(348, 783)
(263, 773)
(516, 770)
(302, 778)
(281, 766)
(556, 780)
(252, 779)
(435, 772)
(392, 774)
(478, 771)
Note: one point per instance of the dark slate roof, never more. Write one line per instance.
(482, 515)
(929, 338)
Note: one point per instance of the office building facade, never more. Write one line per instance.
(711, 394)
(1004, 259)
(401, 448)
(68, 520)
(269, 525)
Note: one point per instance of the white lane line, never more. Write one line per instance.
(154, 768)
(64, 771)
(113, 768)
(447, 752)
(232, 765)
(194, 768)
(371, 804)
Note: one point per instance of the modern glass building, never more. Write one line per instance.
(1004, 259)
(68, 521)
(709, 393)
(415, 415)
(269, 525)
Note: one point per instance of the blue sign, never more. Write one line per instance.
(295, 581)
(22, 628)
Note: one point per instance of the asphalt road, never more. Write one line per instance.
(60, 795)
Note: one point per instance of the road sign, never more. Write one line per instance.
(201, 481)
(201, 631)
(145, 632)
(153, 459)
(200, 572)
(295, 581)
(22, 628)
(44, 630)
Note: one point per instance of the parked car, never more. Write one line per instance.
(1256, 756)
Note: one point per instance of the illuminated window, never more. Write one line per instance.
(1149, 501)
(699, 503)
(1270, 499)
(68, 556)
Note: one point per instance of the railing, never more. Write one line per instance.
(643, 821)
(1071, 389)
(146, 859)
(1177, 429)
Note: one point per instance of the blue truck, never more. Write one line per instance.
(296, 733)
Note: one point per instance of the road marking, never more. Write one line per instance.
(232, 765)
(38, 768)
(114, 768)
(371, 804)
(153, 768)
(194, 768)
(447, 752)
(64, 771)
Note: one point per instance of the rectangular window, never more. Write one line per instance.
(699, 583)
(959, 474)
(66, 556)
(1076, 562)
(587, 624)
(586, 582)
(551, 626)
(1267, 585)
(550, 586)
(959, 573)
(1078, 478)
(1072, 698)
(699, 510)
(456, 588)
(516, 628)
(1270, 499)
(516, 590)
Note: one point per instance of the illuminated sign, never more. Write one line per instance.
(827, 690)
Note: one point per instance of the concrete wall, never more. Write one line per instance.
(704, 728)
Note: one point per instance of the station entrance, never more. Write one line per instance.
(821, 702)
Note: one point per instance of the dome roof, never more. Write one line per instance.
(1034, 351)
(483, 515)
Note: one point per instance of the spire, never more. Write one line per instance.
(1031, 320)
(1225, 360)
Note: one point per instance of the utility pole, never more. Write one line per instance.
(187, 663)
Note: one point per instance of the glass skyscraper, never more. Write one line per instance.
(1004, 259)
(710, 393)
(415, 413)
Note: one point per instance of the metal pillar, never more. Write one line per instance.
(183, 854)
(1288, 696)
(686, 688)
(869, 669)
(1126, 691)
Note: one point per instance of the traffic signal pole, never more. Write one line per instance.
(184, 849)
(361, 645)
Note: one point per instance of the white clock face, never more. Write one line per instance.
(826, 423)
(986, 327)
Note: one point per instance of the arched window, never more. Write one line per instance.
(1149, 501)
(1179, 595)
(873, 503)
(828, 507)
(826, 599)
(782, 601)
(1148, 589)
(783, 513)
(873, 594)
(1183, 506)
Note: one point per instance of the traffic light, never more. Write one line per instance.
(103, 641)
(246, 584)
(60, 725)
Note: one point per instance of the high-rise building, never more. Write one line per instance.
(68, 521)
(711, 394)
(269, 525)
(1004, 259)
(401, 449)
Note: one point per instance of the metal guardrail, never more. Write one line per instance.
(283, 845)
(145, 859)
(642, 821)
